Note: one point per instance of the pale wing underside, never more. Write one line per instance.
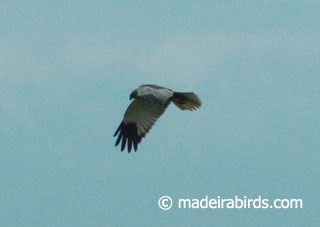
(138, 120)
(144, 114)
(154, 94)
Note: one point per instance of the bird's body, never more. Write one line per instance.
(150, 102)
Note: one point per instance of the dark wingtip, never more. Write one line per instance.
(128, 134)
(118, 129)
(118, 140)
(123, 144)
(129, 145)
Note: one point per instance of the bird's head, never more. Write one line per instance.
(133, 94)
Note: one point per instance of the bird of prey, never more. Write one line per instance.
(150, 102)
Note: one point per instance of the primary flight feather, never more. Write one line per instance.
(150, 102)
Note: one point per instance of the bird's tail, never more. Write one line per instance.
(186, 100)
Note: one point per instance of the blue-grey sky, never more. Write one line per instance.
(67, 69)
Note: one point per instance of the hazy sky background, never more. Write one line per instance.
(67, 69)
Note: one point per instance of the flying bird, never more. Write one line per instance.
(150, 102)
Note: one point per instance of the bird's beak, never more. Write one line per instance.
(133, 95)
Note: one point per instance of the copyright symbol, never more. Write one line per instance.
(165, 203)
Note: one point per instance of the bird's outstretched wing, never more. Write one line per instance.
(138, 120)
(153, 93)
